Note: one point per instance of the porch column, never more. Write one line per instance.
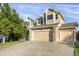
(30, 23)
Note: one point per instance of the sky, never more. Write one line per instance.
(34, 10)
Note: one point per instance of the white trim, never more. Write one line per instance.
(38, 23)
(30, 23)
(46, 16)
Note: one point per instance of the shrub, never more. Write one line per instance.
(76, 49)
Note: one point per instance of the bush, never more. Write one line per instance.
(77, 44)
(76, 49)
(26, 34)
(77, 36)
(14, 37)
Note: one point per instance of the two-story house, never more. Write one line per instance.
(51, 27)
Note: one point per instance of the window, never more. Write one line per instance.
(44, 18)
(49, 17)
(40, 20)
(56, 16)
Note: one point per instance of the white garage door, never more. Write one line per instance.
(40, 35)
(67, 36)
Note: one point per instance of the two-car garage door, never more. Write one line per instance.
(41, 35)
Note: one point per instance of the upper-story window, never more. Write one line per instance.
(40, 20)
(44, 18)
(49, 17)
(56, 16)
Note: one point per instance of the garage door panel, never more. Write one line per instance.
(67, 36)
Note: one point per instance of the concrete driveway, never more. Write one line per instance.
(38, 49)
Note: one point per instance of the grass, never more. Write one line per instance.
(76, 49)
(7, 44)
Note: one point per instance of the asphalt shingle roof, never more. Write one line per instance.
(69, 25)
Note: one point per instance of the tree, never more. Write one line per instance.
(26, 31)
(77, 36)
(10, 22)
(4, 23)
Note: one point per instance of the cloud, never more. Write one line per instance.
(29, 9)
(70, 11)
(24, 16)
(71, 18)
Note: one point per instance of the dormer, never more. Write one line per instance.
(30, 22)
(52, 16)
(40, 20)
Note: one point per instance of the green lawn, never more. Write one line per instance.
(7, 44)
(76, 50)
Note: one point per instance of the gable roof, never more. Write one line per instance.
(69, 25)
(50, 9)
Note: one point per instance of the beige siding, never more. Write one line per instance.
(57, 34)
(60, 19)
(67, 36)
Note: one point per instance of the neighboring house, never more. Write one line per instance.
(30, 22)
(51, 27)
